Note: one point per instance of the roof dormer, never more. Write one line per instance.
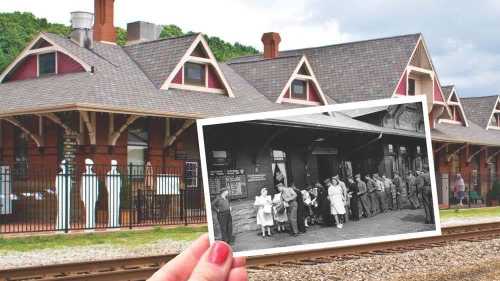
(42, 58)
(494, 121)
(198, 70)
(287, 79)
(457, 113)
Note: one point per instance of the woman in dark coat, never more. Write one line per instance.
(324, 205)
(301, 210)
(353, 190)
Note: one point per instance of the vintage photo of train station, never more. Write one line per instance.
(316, 178)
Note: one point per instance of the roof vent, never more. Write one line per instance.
(81, 25)
(141, 31)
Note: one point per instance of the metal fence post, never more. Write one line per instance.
(184, 201)
(67, 190)
(131, 196)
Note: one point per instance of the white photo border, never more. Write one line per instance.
(422, 99)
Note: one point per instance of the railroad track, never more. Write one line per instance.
(141, 268)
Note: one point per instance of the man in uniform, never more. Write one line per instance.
(372, 194)
(363, 196)
(412, 190)
(380, 193)
(290, 198)
(398, 188)
(389, 190)
(423, 182)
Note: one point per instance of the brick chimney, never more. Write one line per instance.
(104, 29)
(271, 42)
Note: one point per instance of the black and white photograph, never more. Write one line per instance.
(322, 178)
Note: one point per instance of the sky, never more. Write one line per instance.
(463, 37)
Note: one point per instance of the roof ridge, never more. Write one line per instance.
(264, 59)
(355, 42)
(488, 96)
(163, 39)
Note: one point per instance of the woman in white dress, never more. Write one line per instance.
(264, 206)
(279, 212)
(337, 204)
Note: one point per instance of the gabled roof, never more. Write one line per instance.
(268, 76)
(449, 92)
(357, 71)
(479, 109)
(159, 58)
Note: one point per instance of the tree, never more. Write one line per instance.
(18, 29)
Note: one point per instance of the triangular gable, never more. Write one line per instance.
(454, 100)
(303, 71)
(199, 52)
(494, 120)
(42, 44)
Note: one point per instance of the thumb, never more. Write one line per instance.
(215, 264)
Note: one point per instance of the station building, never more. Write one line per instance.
(83, 96)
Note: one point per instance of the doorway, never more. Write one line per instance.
(327, 166)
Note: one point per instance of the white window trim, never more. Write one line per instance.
(28, 51)
(495, 110)
(210, 61)
(38, 63)
(311, 77)
(198, 88)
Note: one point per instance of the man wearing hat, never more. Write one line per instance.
(363, 196)
(424, 187)
(290, 198)
(345, 192)
(223, 210)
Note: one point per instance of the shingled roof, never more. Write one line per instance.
(159, 58)
(268, 76)
(357, 71)
(479, 109)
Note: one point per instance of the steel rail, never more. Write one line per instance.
(140, 268)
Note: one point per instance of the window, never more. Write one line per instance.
(299, 89)
(194, 74)
(191, 174)
(411, 87)
(47, 64)
(390, 148)
(137, 146)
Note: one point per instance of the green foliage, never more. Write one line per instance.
(18, 29)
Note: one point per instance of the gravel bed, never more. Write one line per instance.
(88, 253)
(468, 221)
(457, 261)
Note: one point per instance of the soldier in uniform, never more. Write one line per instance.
(372, 194)
(398, 188)
(363, 196)
(423, 182)
(412, 190)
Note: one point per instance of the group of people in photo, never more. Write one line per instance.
(332, 203)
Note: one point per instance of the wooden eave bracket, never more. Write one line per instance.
(54, 118)
(456, 151)
(169, 141)
(441, 147)
(476, 153)
(90, 123)
(114, 135)
(489, 158)
(38, 139)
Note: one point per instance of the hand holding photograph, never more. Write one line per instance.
(328, 176)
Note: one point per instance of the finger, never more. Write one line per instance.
(181, 266)
(239, 262)
(215, 264)
(238, 274)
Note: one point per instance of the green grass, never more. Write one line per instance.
(120, 238)
(469, 213)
